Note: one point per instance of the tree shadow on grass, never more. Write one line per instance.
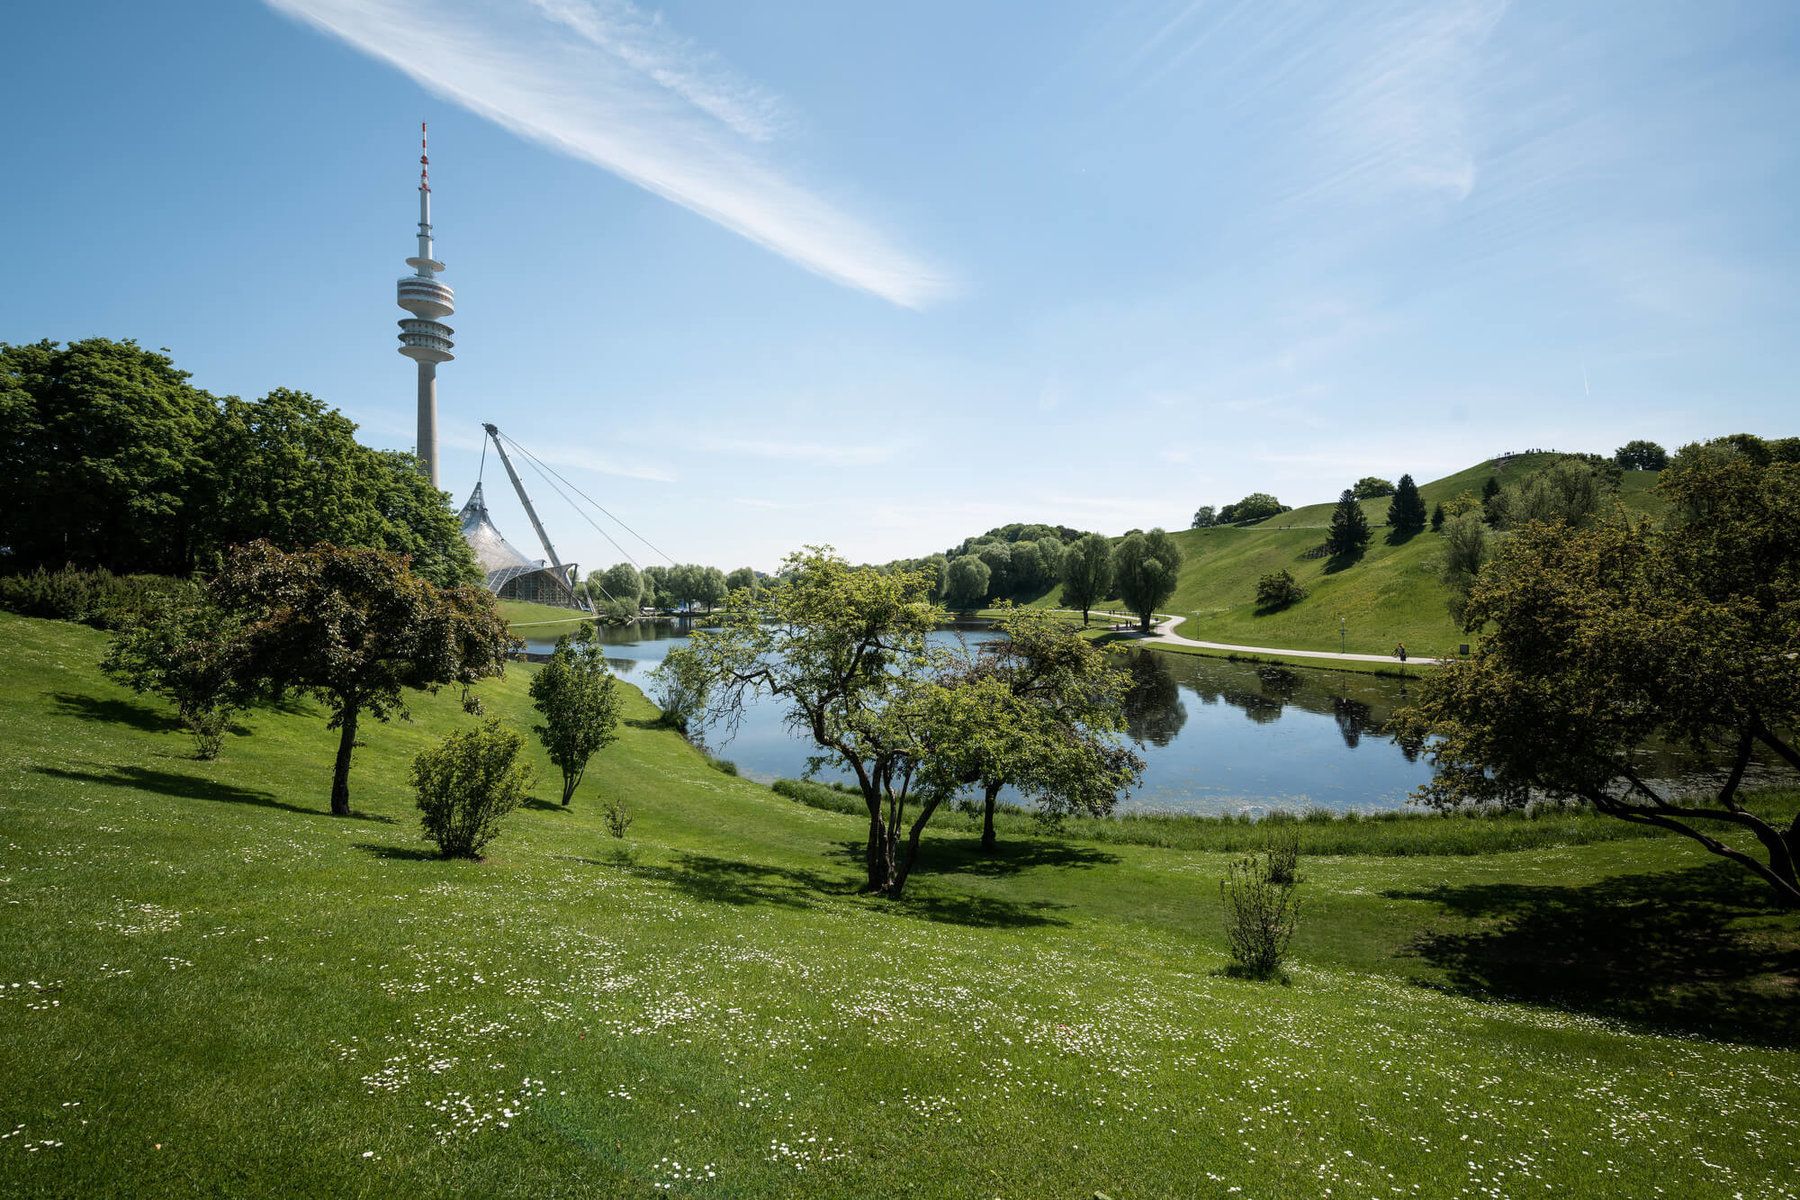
(189, 787)
(966, 857)
(733, 881)
(1693, 951)
(114, 712)
(980, 912)
(532, 802)
(383, 850)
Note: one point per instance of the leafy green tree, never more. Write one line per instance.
(1087, 573)
(1371, 487)
(937, 569)
(1257, 506)
(624, 583)
(1205, 517)
(967, 583)
(1077, 699)
(579, 701)
(101, 446)
(657, 593)
(741, 579)
(187, 653)
(1641, 455)
(1406, 513)
(1049, 554)
(1348, 534)
(356, 629)
(466, 784)
(1278, 590)
(999, 559)
(1146, 569)
(1490, 488)
(1602, 641)
(1568, 490)
(847, 652)
(709, 587)
(1465, 553)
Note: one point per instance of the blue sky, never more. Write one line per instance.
(756, 276)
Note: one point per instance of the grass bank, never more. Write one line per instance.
(211, 986)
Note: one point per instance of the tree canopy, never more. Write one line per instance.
(1348, 534)
(847, 651)
(1371, 487)
(1146, 569)
(1406, 513)
(579, 702)
(1601, 640)
(1257, 506)
(121, 463)
(1641, 455)
(1087, 574)
(356, 629)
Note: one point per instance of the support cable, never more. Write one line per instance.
(628, 529)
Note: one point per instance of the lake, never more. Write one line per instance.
(1217, 736)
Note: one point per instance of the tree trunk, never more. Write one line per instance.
(569, 782)
(877, 858)
(905, 864)
(990, 800)
(1084, 616)
(340, 772)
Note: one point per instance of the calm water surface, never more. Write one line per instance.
(1217, 736)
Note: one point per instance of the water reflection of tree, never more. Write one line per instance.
(1354, 718)
(1153, 709)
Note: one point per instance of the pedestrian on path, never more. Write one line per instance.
(1400, 652)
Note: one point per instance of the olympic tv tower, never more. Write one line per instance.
(423, 337)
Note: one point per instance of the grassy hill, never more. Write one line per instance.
(212, 987)
(1391, 595)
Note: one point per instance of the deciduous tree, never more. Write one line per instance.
(1600, 641)
(1146, 569)
(1087, 574)
(356, 629)
(966, 583)
(1641, 455)
(579, 701)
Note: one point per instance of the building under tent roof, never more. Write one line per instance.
(510, 575)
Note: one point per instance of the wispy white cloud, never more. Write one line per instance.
(605, 83)
(835, 454)
(1399, 118)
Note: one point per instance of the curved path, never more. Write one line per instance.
(1164, 631)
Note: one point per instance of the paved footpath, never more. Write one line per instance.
(1164, 631)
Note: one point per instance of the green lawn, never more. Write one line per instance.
(210, 986)
(523, 612)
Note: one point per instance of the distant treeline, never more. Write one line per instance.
(113, 460)
(624, 590)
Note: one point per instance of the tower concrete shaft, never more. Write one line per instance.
(423, 337)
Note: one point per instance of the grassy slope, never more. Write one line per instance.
(211, 986)
(1391, 595)
(521, 612)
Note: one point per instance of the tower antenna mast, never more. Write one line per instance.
(424, 337)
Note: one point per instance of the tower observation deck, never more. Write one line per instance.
(424, 337)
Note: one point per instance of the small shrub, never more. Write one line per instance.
(617, 819)
(1278, 590)
(186, 652)
(1284, 855)
(722, 765)
(466, 784)
(1260, 916)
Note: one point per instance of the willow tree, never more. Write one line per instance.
(1087, 573)
(1600, 641)
(1146, 568)
(847, 652)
